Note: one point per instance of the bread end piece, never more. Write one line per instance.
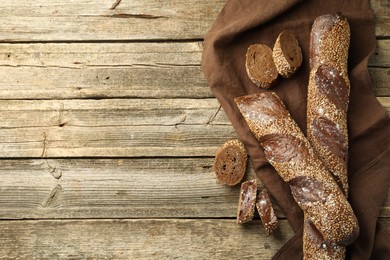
(315, 247)
(230, 162)
(260, 66)
(266, 212)
(247, 201)
(329, 42)
(287, 54)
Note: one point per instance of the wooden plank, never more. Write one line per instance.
(139, 239)
(114, 188)
(382, 17)
(114, 141)
(58, 71)
(119, 188)
(110, 113)
(381, 56)
(121, 70)
(116, 113)
(380, 81)
(385, 102)
(73, 20)
(129, 128)
(80, 55)
(114, 127)
(103, 82)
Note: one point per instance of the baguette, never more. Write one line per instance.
(328, 94)
(290, 153)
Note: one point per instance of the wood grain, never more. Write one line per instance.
(108, 130)
(114, 127)
(94, 20)
(139, 239)
(382, 17)
(118, 141)
(110, 113)
(119, 188)
(122, 70)
(380, 81)
(381, 56)
(124, 128)
(114, 188)
(58, 71)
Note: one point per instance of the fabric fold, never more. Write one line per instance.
(245, 22)
(239, 17)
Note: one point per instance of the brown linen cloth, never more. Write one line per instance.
(245, 22)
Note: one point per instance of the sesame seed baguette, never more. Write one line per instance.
(328, 94)
(291, 154)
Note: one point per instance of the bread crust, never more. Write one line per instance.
(287, 54)
(291, 154)
(329, 44)
(266, 212)
(327, 105)
(260, 66)
(247, 201)
(315, 247)
(230, 162)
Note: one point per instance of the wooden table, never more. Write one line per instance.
(108, 131)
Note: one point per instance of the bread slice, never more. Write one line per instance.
(260, 66)
(287, 54)
(266, 212)
(230, 162)
(247, 202)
